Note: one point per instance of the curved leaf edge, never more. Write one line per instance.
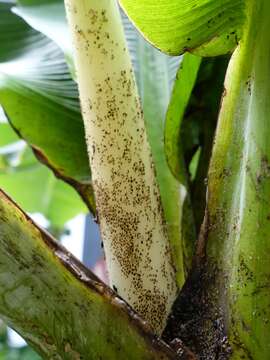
(206, 48)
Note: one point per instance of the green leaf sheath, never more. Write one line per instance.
(230, 308)
(205, 27)
(41, 101)
(59, 306)
(225, 302)
(239, 192)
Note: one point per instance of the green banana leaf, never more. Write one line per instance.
(205, 27)
(41, 101)
(59, 306)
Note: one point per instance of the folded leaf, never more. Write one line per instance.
(205, 27)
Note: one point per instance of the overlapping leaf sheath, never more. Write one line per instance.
(230, 281)
(129, 207)
(239, 192)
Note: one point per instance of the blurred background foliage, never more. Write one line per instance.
(33, 185)
(9, 352)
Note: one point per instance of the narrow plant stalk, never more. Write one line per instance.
(128, 201)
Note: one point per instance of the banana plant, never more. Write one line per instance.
(184, 218)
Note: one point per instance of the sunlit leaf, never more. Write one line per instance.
(207, 27)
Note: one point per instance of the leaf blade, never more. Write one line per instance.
(34, 267)
(205, 27)
(35, 82)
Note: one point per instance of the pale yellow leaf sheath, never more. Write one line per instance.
(128, 201)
